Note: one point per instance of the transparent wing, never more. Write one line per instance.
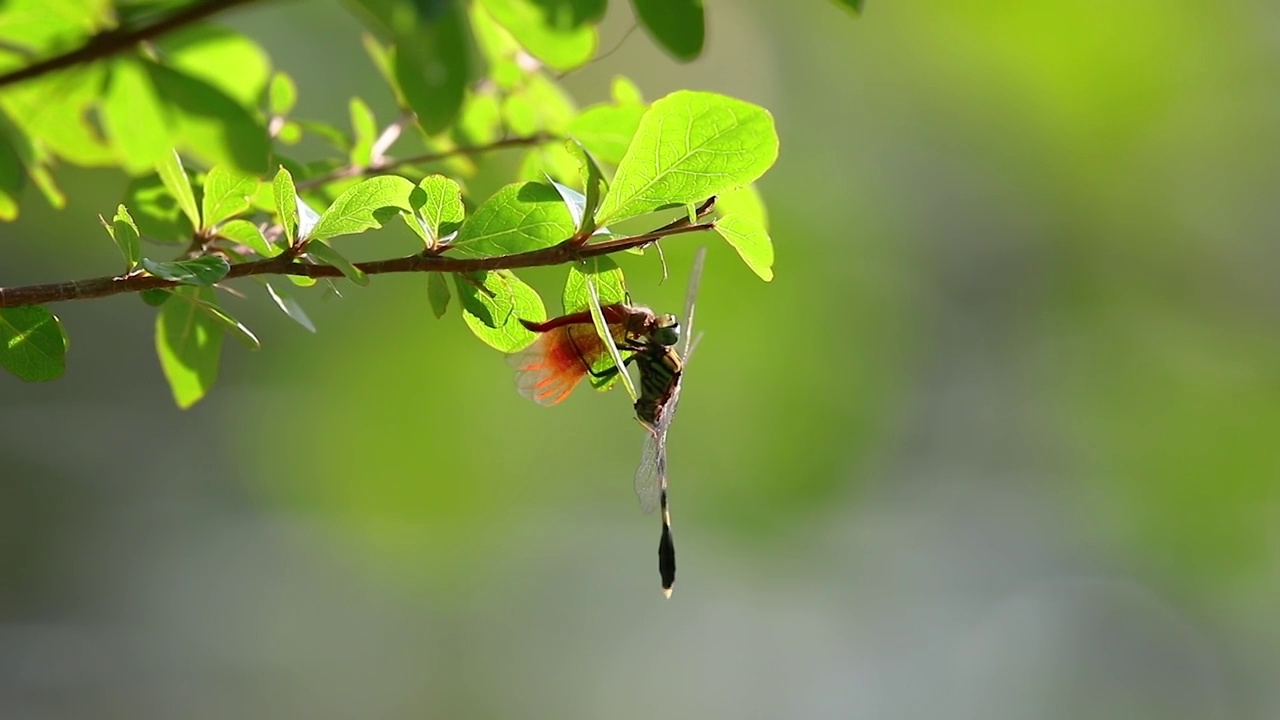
(653, 465)
(691, 294)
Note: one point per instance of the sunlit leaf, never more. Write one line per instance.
(136, 117)
(750, 238)
(286, 203)
(593, 183)
(326, 254)
(331, 134)
(743, 201)
(437, 293)
(494, 316)
(611, 286)
(364, 127)
(12, 179)
(226, 194)
(676, 25)
(364, 206)
(125, 234)
(189, 345)
(175, 179)
(203, 270)
(32, 345)
(690, 146)
(518, 218)
(209, 124)
(560, 33)
(156, 211)
(290, 307)
(283, 94)
(437, 203)
(221, 57)
(625, 92)
(248, 234)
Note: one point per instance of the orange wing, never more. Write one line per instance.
(548, 370)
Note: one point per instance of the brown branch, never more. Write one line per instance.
(288, 265)
(351, 171)
(114, 42)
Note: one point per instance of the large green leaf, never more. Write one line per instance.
(560, 33)
(437, 208)
(156, 212)
(607, 130)
(749, 237)
(494, 312)
(57, 110)
(226, 194)
(677, 25)
(518, 218)
(611, 287)
(32, 345)
(364, 206)
(136, 117)
(189, 344)
(210, 124)
(690, 146)
(203, 270)
(220, 57)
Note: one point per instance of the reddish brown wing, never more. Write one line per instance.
(615, 314)
(548, 370)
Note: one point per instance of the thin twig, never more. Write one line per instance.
(114, 42)
(351, 171)
(287, 265)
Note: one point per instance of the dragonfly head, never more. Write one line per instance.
(666, 331)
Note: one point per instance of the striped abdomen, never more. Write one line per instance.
(660, 369)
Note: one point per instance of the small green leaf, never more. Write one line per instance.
(203, 270)
(283, 94)
(248, 234)
(156, 211)
(518, 218)
(855, 6)
(189, 345)
(12, 178)
(676, 25)
(438, 202)
(32, 345)
(155, 297)
(606, 337)
(226, 194)
(560, 34)
(290, 307)
(326, 254)
(611, 286)
(125, 233)
(286, 203)
(690, 146)
(607, 130)
(437, 293)
(364, 128)
(329, 133)
(363, 206)
(593, 183)
(496, 319)
(751, 240)
(625, 92)
(176, 181)
(231, 325)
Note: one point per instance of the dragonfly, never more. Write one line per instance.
(568, 350)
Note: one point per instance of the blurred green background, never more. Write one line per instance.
(998, 441)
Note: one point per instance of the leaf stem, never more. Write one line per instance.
(287, 265)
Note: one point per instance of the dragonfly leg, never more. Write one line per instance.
(610, 372)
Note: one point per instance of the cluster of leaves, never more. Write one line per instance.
(467, 77)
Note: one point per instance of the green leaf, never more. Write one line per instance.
(560, 33)
(481, 120)
(248, 234)
(363, 206)
(224, 59)
(606, 337)
(203, 270)
(286, 203)
(437, 202)
(12, 179)
(607, 130)
(743, 201)
(155, 297)
(495, 318)
(611, 286)
(176, 181)
(125, 233)
(690, 146)
(437, 293)
(283, 94)
(518, 218)
(539, 105)
(32, 345)
(593, 183)
(136, 117)
(209, 124)
(230, 324)
(853, 5)
(290, 307)
(625, 92)
(364, 127)
(331, 134)
(326, 254)
(156, 211)
(750, 238)
(226, 194)
(189, 345)
(677, 25)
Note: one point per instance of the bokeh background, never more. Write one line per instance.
(998, 442)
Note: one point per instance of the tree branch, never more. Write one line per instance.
(113, 42)
(288, 265)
